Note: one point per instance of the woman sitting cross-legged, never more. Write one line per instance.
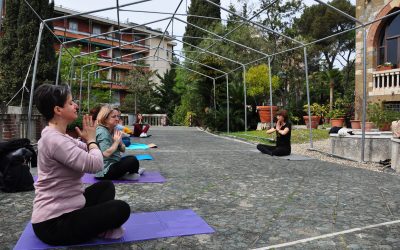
(110, 142)
(139, 128)
(283, 131)
(64, 212)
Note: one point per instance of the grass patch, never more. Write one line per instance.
(298, 136)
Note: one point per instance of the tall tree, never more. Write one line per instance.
(319, 21)
(142, 87)
(168, 98)
(200, 8)
(20, 37)
(8, 43)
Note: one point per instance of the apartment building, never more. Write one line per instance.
(116, 62)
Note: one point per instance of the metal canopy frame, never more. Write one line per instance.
(363, 26)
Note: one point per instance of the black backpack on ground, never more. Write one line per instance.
(14, 170)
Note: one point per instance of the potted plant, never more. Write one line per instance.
(380, 117)
(257, 78)
(385, 66)
(355, 124)
(338, 113)
(317, 111)
(71, 127)
(337, 117)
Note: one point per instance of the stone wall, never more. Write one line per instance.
(378, 146)
(367, 11)
(14, 124)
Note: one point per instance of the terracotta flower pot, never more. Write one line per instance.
(337, 122)
(382, 68)
(355, 124)
(314, 121)
(265, 113)
(368, 126)
(385, 127)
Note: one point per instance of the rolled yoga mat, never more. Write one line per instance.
(139, 226)
(137, 146)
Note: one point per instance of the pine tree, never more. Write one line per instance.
(18, 45)
(8, 43)
(200, 8)
(168, 98)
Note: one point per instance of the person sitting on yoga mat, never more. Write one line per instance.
(140, 129)
(283, 129)
(126, 132)
(110, 142)
(64, 212)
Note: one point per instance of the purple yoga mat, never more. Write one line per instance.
(140, 226)
(146, 177)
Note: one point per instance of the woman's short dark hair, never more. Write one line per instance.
(94, 112)
(48, 96)
(283, 113)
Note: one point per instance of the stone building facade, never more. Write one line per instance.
(383, 49)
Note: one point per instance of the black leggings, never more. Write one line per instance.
(127, 164)
(100, 213)
(274, 150)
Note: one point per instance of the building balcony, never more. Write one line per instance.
(386, 82)
(119, 65)
(106, 41)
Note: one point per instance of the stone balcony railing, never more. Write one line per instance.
(386, 82)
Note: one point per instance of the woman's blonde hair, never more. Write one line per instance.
(103, 114)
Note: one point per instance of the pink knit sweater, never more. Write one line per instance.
(62, 161)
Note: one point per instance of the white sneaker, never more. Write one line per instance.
(131, 177)
(141, 171)
(142, 135)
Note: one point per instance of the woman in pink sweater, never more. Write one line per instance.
(64, 212)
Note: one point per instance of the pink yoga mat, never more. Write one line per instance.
(140, 226)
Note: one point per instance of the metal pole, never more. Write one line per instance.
(71, 73)
(29, 135)
(215, 105)
(227, 103)
(135, 104)
(308, 95)
(245, 97)
(80, 91)
(59, 63)
(88, 93)
(364, 107)
(270, 91)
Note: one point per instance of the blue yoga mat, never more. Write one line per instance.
(144, 157)
(137, 146)
(139, 226)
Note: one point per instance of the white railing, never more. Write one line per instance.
(155, 119)
(386, 82)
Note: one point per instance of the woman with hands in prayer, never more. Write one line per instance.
(110, 142)
(283, 129)
(64, 212)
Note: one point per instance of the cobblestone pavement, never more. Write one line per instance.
(250, 199)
